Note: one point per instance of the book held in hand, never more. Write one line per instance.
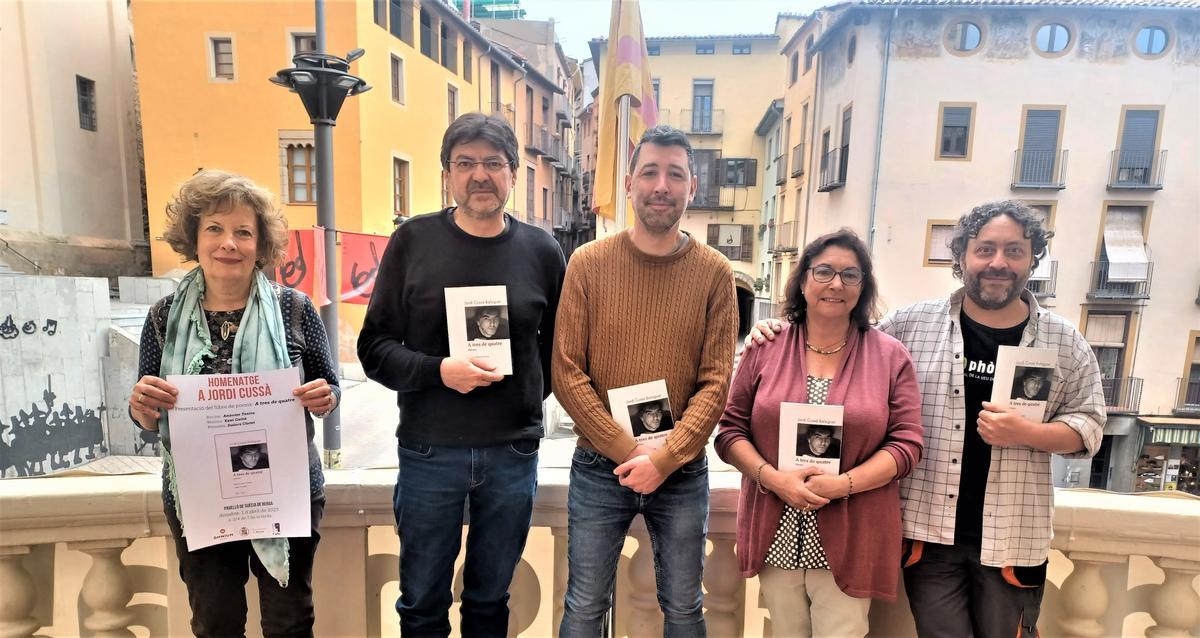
(644, 411)
(1023, 378)
(810, 435)
(477, 324)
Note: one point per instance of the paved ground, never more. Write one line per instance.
(369, 417)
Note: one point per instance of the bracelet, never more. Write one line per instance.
(851, 488)
(758, 477)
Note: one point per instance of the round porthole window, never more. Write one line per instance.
(964, 36)
(1152, 41)
(1052, 38)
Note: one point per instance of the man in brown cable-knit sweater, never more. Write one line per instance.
(648, 303)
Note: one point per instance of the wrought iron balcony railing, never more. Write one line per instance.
(784, 240)
(1136, 170)
(505, 111)
(535, 138)
(1044, 286)
(1039, 169)
(798, 160)
(713, 198)
(1120, 281)
(833, 170)
(1122, 394)
(1187, 399)
(703, 122)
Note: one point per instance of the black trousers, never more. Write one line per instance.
(216, 582)
(952, 595)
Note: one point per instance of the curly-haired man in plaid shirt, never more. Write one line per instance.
(978, 509)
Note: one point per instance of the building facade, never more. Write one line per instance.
(554, 124)
(207, 104)
(714, 88)
(767, 283)
(70, 176)
(909, 113)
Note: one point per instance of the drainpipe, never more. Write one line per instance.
(883, 79)
(524, 73)
(813, 150)
(479, 74)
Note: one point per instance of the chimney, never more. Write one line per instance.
(466, 12)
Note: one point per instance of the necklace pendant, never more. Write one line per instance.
(227, 329)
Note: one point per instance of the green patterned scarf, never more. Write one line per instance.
(260, 344)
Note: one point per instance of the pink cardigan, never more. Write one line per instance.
(878, 387)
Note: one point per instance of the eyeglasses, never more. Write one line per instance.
(824, 274)
(467, 166)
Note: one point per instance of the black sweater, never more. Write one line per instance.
(404, 336)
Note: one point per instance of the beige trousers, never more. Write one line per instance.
(807, 602)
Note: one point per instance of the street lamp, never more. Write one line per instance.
(324, 82)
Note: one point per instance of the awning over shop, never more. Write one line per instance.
(1172, 430)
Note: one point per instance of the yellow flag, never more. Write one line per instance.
(626, 72)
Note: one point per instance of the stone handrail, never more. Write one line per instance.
(1120, 555)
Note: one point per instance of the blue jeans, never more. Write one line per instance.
(497, 485)
(599, 512)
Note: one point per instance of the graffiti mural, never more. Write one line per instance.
(54, 412)
(9, 329)
(50, 436)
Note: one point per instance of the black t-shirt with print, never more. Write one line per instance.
(980, 345)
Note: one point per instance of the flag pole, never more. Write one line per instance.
(622, 160)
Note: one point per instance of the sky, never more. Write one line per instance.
(577, 21)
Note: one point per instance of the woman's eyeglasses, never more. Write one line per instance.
(824, 274)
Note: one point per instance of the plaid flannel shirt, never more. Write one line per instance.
(1018, 504)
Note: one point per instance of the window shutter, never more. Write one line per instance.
(1106, 330)
(1141, 127)
(1041, 130)
(714, 234)
(957, 116)
(751, 172)
(939, 248)
(748, 242)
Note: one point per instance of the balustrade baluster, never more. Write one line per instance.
(18, 595)
(560, 574)
(645, 617)
(1175, 606)
(107, 588)
(1084, 597)
(725, 588)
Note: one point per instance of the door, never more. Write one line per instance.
(702, 96)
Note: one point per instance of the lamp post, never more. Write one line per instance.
(324, 82)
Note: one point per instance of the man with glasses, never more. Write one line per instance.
(978, 509)
(467, 436)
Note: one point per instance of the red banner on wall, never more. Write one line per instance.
(361, 254)
(304, 268)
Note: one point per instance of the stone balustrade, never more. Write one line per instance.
(87, 556)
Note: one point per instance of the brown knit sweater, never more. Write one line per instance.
(626, 317)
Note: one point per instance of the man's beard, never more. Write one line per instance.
(468, 210)
(657, 222)
(974, 289)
